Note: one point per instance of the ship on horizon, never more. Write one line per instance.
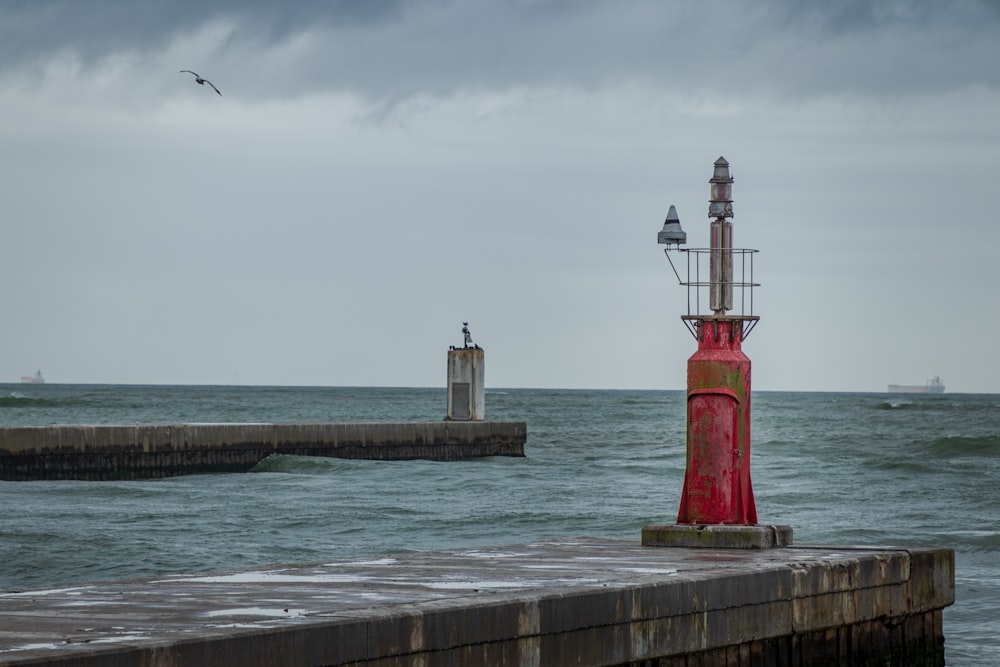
(33, 379)
(933, 386)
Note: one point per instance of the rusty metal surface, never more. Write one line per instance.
(717, 487)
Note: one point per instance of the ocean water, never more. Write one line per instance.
(840, 468)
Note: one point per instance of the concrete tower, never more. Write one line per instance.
(466, 387)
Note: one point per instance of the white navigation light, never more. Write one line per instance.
(721, 203)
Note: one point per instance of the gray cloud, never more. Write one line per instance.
(394, 49)
(32, 29)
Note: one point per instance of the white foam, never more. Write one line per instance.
(271, 577)
(30, 647)
(258, 611)
(77, 590)
(378, 561)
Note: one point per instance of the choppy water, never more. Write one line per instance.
(840, 468)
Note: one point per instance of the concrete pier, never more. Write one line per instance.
(143, 451)
(583, 602)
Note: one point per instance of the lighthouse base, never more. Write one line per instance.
(717, 536)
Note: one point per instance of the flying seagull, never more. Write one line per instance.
(199, 80)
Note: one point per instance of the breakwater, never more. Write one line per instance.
(587, 601)
(143, 451)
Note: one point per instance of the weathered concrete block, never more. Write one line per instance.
(932, 578)
(716, 536)
(584, 609)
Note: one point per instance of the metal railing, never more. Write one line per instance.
(700, 286)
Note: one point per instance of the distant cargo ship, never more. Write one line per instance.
(33, 379)
(933, 386)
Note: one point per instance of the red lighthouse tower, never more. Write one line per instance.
(717, 506)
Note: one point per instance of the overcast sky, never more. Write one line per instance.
(377, 172)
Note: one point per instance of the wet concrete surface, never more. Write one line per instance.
(353, 611)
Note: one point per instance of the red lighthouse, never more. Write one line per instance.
(717, 493)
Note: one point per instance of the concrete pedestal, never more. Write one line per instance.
(717, 536)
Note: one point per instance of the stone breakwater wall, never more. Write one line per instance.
(590, 602)
(145, 451)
